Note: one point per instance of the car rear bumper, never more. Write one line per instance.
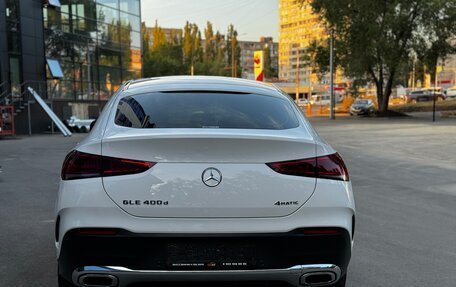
(142, 258)
(120, 276)
(359, 112)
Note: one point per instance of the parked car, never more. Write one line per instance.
(203, 179)
(362, 107)
(424, 95)
(321, 100)
(303, 102)
(450, 93)
(79, 125)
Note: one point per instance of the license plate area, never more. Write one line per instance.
(210, 256)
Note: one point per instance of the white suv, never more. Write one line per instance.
(203, 179)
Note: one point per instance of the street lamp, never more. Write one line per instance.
(331, 70)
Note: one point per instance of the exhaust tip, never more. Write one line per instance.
(318, 278)
(98, 280)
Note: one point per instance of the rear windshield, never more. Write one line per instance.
(205, 110)
(362, 102)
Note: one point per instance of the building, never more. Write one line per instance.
(248, 48)
(299, 27)
(447, 77)
(74, 53)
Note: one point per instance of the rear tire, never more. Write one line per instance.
(62, 282)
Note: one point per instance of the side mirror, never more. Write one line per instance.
(92, 124)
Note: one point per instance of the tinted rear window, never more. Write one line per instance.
(205, 110)
(362, 102)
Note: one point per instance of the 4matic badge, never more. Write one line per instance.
(286, 203)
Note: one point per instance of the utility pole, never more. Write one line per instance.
(89, 75)
(331, 70)
(413, 75)
(297, 76)
(438, 69)
(232, 58)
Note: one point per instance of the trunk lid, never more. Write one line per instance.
(209, 173)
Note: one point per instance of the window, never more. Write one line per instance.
(108, 57)
(55, 3)
(135, 39)
(54, 68)
(129, 21)
(111, 3)
(205, 110)
(130, 6)
(107, 15)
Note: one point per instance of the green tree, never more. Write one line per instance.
(269, 71)
(145, 38)
(192, 45)
(158, 37)
(375, 38)
(233, 51)
(209, 44)
(220, 46)
(166, 60)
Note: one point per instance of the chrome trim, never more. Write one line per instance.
(292, 275)
(114, 281)
(306, 276)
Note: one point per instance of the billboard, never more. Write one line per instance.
(258, 65)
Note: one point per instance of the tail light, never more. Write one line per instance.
(79, 165)
(328, 166)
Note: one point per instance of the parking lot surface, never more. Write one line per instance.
(404, 178)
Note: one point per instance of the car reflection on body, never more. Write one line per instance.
(362, 107)
(79, 125)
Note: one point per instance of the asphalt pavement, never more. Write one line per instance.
(404, 178)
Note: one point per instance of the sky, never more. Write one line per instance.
(251, 18)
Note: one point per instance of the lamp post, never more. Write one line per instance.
(332, 115)
(438, 69)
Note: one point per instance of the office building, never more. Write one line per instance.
(74, 53)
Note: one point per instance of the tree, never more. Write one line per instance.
(192, 45)
(374, 38)
(165, 61)
(220, 46)
(145, 38)
(269, 71)
(209, 44)
(158, 37)
(233, 51)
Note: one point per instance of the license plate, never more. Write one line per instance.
(210, 256)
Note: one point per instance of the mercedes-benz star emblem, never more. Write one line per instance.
(211, 177)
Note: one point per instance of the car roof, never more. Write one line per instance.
(199, 83)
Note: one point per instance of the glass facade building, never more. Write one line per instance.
(74, 53)
(98, 46)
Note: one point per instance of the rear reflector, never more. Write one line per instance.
(79, 165)
(328, 166)
(320, 231)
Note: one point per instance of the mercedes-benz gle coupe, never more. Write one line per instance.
(203, 179)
